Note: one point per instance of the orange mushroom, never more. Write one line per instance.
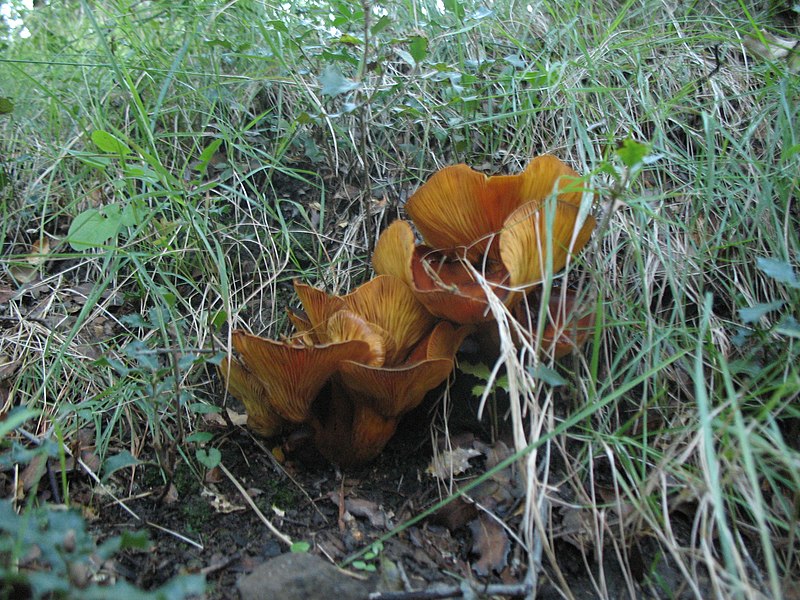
(359, 362)
(499, 227)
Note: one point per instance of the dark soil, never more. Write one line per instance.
(302, 500)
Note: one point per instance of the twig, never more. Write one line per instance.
(183, 538)
(279, 468)
(283, 538)
(518, 589)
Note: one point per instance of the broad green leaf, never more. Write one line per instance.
(92, 229)
(208, 458)
(200, 437)
(14, 419)
(123, 460)
(405, 56)
(790, 327)
(92, 159)
(132, 213)
(381, 24)
(109, 144)
(632, 153)
(779, 270)
(334, 83)
(140, 172)
(548, 375)
(755, 312)
(516, 61)
(418, 48)
(202, 408)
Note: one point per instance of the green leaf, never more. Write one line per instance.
(300, 547)
(201, 408)
(778, 270)
(109, 144)
(92, 229)
(123, 460)
(208, 458)
(755, 312)
(14, 419)
(455, 7)
(418, 48)
(91, 159)
(334, 83)
(479, 370)
(363, 566)
(134, 540)
(548, 375)
(381, 24)
(216, 358)
(6, 106)
(218, 319)
(206, 156)
(132, 213)
(632, 153)
(789, 327)
(200, 437)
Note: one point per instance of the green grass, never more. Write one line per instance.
(247, 170)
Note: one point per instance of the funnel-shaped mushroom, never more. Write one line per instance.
(359, 415)
(499, 227)
(359, 362)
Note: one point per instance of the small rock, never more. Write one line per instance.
(300, 576)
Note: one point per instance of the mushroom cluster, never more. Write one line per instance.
(357, 363)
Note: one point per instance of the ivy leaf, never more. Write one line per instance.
(334, 83)
(208, 458)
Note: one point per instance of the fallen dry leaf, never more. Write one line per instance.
(366, 509)
(171, 497)
(214, 475)
(453, 462)
(27, 270)
(219, 502)
(490, 543)
(8, 366)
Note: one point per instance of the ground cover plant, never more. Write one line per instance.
(168, 169)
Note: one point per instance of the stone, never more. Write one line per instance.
(300, 576)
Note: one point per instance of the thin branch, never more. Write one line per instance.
(283, 538)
